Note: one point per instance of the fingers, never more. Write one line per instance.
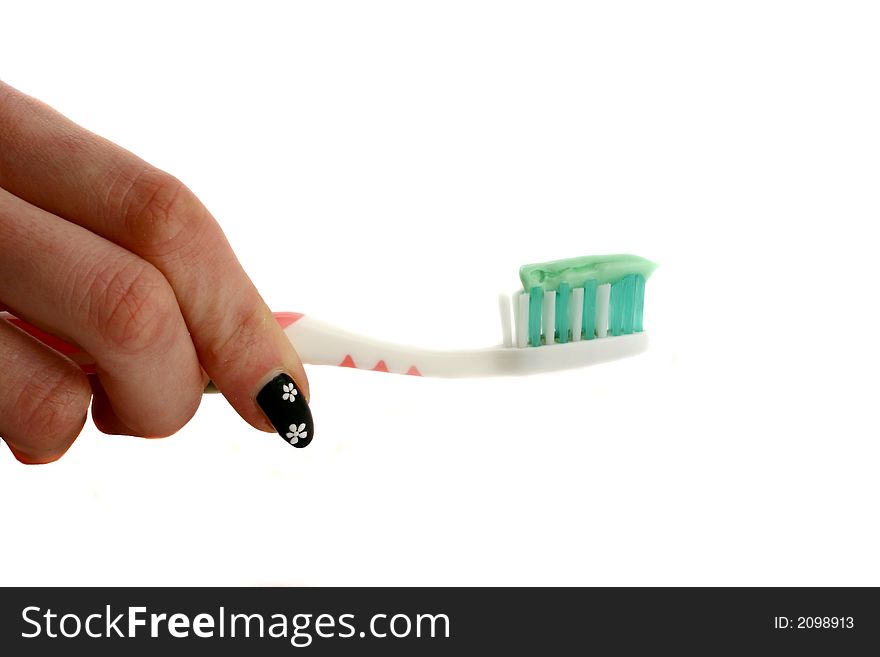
(116, 306)
(72, 173)
(44, 398)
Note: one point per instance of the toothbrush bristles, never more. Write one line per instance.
(545, 317)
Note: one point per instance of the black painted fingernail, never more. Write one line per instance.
(287, 410)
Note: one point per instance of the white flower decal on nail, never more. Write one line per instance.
(289, 392)
(296, 432)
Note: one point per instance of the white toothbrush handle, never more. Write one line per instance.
(319, 343)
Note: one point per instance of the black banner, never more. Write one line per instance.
(414, 621)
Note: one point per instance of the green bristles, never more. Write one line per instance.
(536, 305)
(589, 324)
(640, 304)
(627, 305)
(622, 311)
(562, 318)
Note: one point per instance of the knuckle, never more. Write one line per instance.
(159, 213)
(131, 306)
(50, 407)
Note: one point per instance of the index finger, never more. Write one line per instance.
(55, 164)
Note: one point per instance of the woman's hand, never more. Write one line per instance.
(107, 252)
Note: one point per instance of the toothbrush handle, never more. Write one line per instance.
(319, 343)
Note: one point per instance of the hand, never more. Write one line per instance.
(107, 252)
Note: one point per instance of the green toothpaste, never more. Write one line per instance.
(576, 271)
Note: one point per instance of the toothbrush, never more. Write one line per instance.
(569, 313)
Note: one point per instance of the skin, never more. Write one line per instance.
(110, 253)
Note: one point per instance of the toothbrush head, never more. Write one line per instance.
(580, 299)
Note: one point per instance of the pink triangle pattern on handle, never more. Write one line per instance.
(286, 319)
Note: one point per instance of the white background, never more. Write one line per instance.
(388, 166)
